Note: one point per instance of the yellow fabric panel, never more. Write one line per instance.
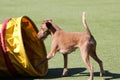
(24, 48)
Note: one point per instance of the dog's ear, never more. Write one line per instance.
(49, 25)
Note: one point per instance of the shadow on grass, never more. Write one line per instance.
(57, 72)
(72, 72)
(111, 75)
(77, 72)
(108, 75)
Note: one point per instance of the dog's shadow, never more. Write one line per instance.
(76, 72)
(111, 76)
(108, 75)
(72, 72)
(57, 72)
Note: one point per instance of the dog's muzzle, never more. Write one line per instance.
(41, 36)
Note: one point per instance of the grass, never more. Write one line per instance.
(103, 17)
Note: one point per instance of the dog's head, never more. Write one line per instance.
(44, 29)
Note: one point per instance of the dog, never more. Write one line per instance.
(67, 42)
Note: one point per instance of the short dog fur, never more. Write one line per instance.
(66, 42)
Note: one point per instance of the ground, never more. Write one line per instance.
(103, 17)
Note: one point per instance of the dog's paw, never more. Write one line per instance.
(65, 72)
(102, 73)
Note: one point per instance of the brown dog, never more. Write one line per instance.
(66, 42)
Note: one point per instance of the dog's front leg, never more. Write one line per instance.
(49, 56)
(65, 70)
(53, 50)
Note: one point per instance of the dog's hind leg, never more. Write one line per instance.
(95, 57)
(85, 57)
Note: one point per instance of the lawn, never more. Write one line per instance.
(103, 17)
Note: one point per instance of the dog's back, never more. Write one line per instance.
(69, 41)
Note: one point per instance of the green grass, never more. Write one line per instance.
(103, 17)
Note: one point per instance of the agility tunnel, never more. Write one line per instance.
(20, 49)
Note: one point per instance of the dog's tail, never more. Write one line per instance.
(85, 23)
